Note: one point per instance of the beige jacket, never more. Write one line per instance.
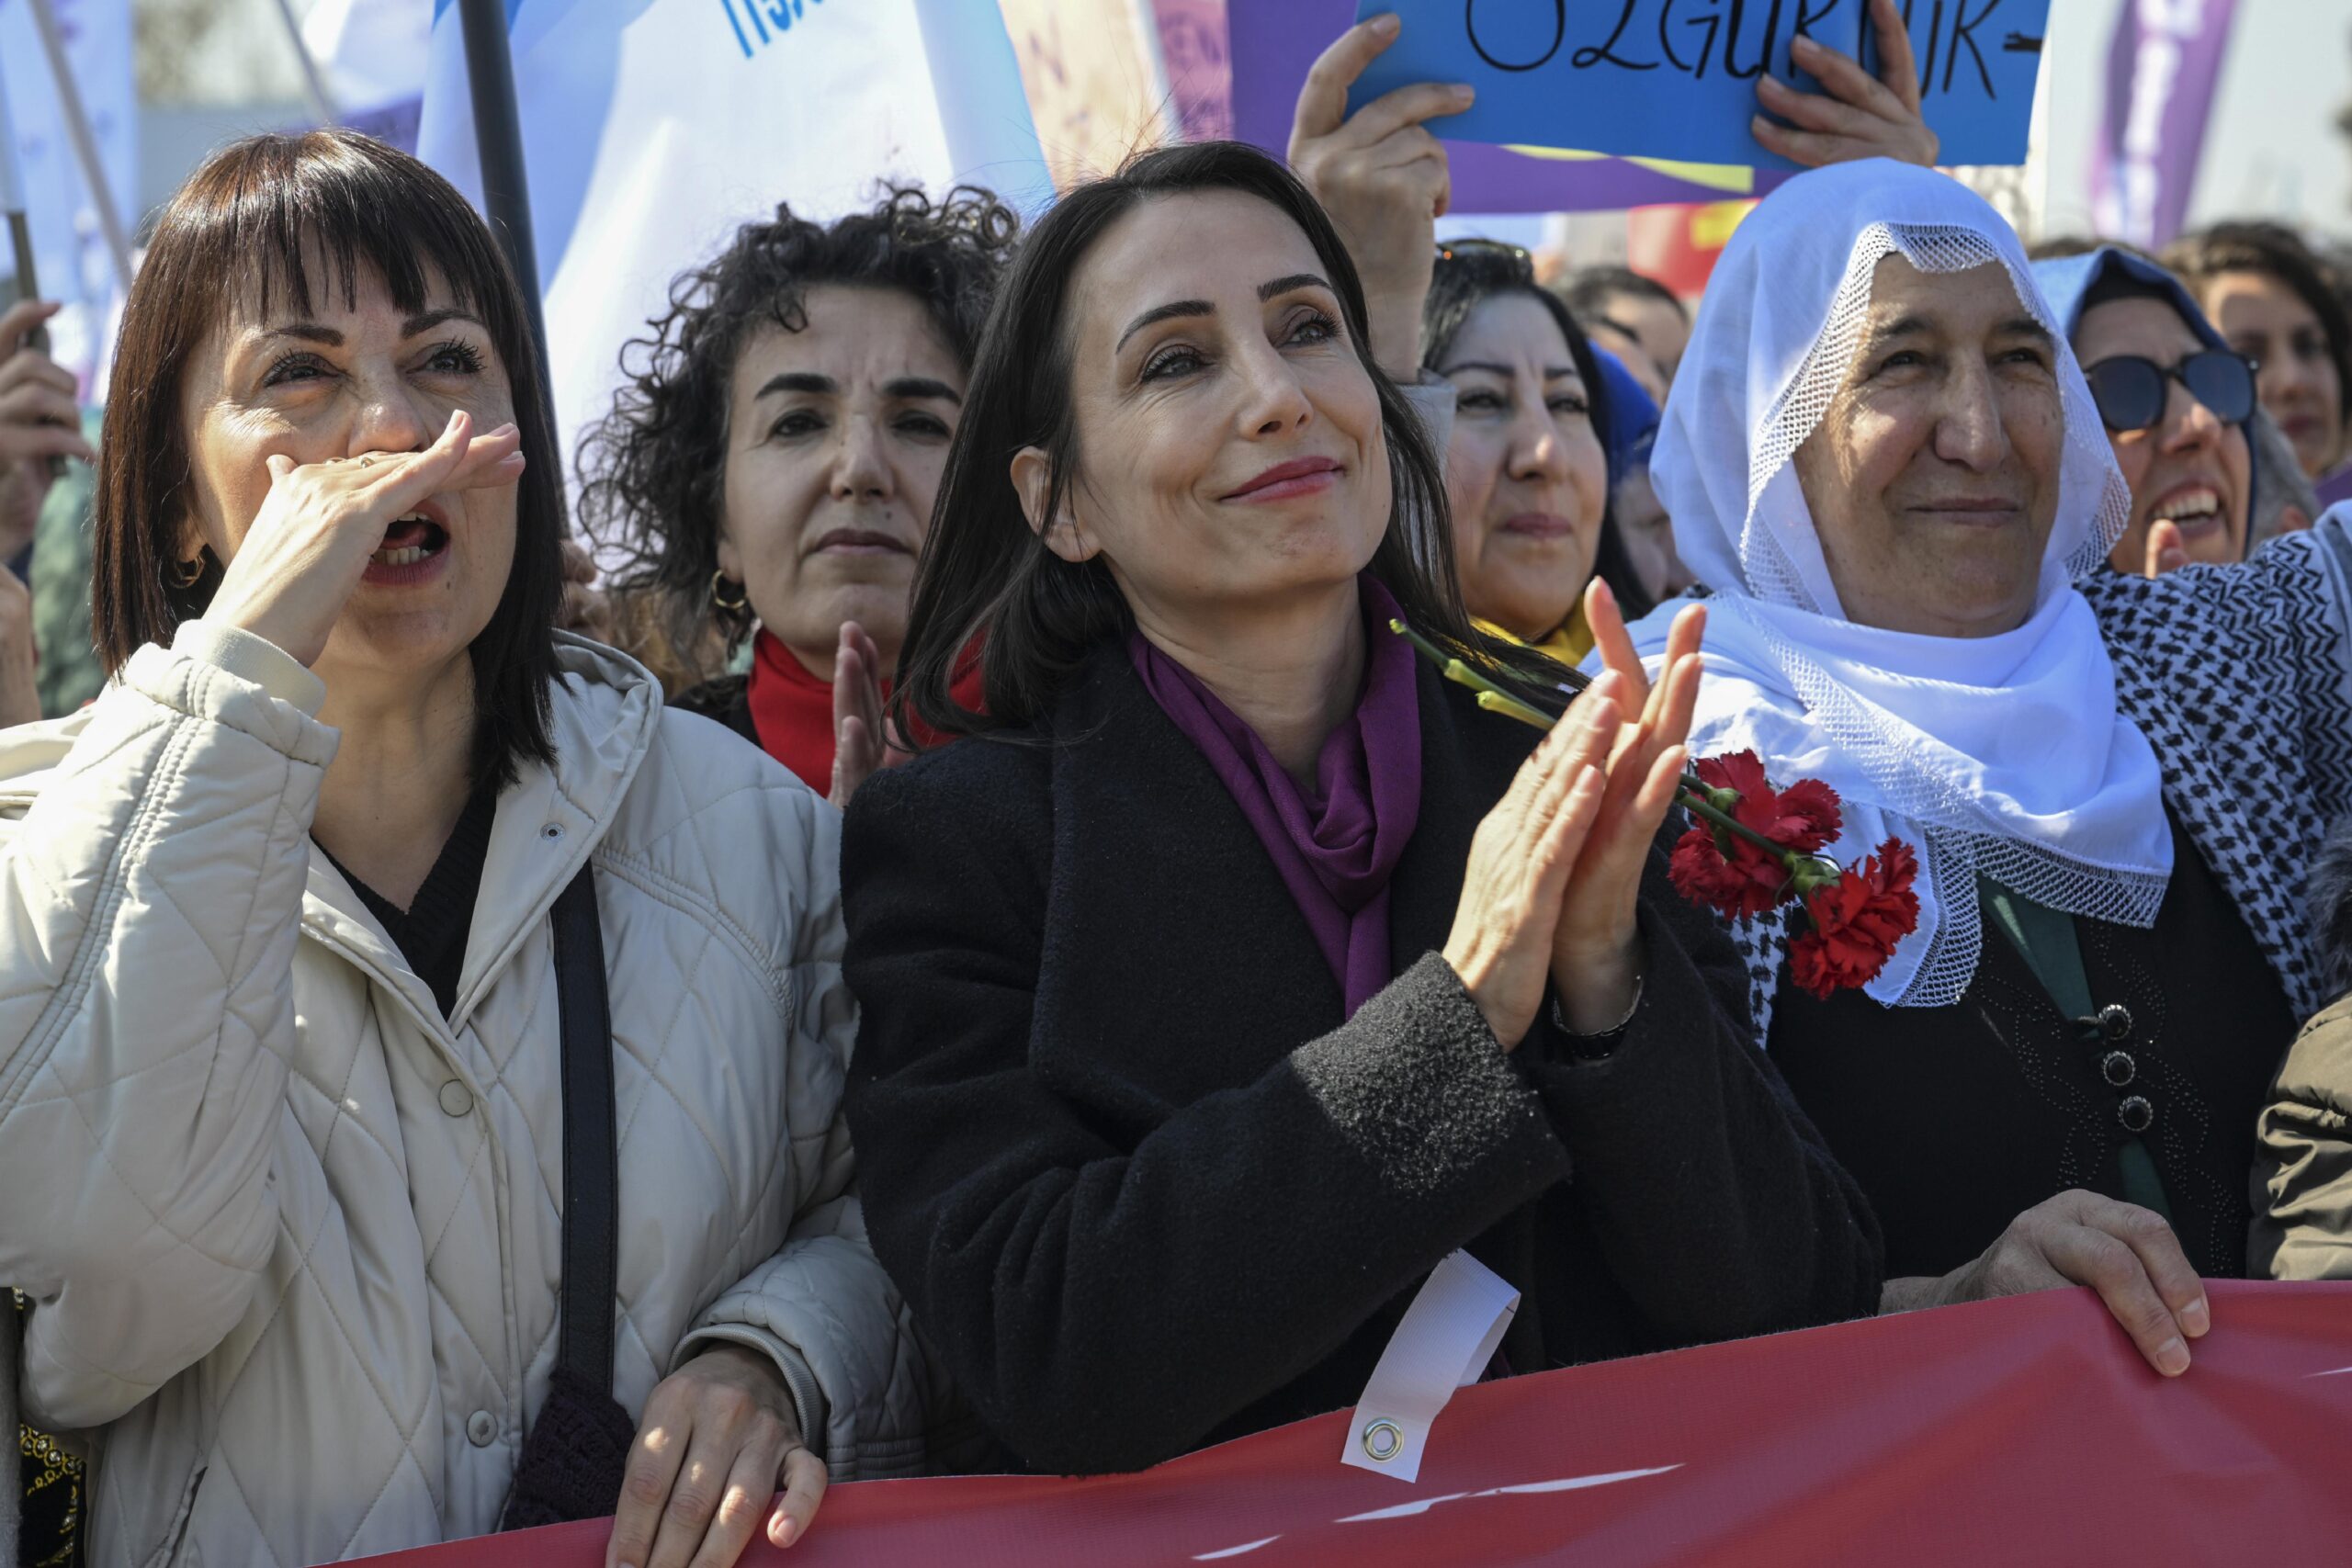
(294, 1240)
(2303, 1198)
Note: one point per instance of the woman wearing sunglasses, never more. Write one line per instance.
(2175, 401)
(1882, 456)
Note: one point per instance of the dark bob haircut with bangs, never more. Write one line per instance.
(279, 218)
(985, 574)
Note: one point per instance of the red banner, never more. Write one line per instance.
(2025, 1430)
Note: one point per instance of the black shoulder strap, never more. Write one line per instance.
(590, 1162)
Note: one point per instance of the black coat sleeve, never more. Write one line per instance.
(1720, 1209)
(1107, 1301)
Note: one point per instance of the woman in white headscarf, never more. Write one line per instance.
(1883, 457)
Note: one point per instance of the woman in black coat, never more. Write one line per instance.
(1234, 973)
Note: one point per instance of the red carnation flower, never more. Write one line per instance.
(1749, 882)
(1732, 873)
(1802, 817)
(1806, 816)
(1856, 920)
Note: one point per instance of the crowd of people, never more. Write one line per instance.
(973, 947)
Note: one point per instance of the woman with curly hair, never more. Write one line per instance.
(769, 468)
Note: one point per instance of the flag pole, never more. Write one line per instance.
(86, 146)
(15, 203)
(498, 141)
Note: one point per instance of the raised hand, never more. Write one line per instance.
(1382, 178)
(1596, 953)
(861, 741)
(1854, 115)
(1615, 646)
(39, 420)
(2167, 551)
(1521, 861)
(302, 559)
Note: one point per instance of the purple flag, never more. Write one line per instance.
(2161, 71)
(1274, 41)
(1192, 47)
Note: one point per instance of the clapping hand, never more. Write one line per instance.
(1549, 898)
(862, 744)
(1596, 962)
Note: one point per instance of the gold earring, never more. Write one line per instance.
(183, 575)
(720, 583)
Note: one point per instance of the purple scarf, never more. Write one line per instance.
(1337, 843)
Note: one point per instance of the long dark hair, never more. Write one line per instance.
(987, 574)
(1467, 275)
(245, 228)
(653, 471)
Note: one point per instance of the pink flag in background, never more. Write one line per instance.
(2161, 71)
(1199, 71)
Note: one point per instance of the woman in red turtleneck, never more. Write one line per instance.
(770, 465)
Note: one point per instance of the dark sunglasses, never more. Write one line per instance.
(2129, 391)
(1488, 258)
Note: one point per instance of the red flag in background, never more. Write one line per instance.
(2025, 1430)
(1677, 244)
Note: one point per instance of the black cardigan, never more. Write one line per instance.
(1145, 1190)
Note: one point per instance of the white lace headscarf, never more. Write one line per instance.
(2004, 755)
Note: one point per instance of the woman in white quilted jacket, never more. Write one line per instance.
(281, 1102)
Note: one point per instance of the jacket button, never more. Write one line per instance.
(2115, 1022)
(2118, 1068)
(2136, 1114)
(481, 1427)
(456, 1099)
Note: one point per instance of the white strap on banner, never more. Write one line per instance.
(1444, 1342)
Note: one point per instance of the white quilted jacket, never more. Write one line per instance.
(293, 1241)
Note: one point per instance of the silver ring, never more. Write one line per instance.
(1383, 1441)
(368, 462)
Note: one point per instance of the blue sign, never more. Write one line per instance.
(1677, 78)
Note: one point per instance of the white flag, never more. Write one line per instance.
(653, 128)
(373, 53)
(69, 247)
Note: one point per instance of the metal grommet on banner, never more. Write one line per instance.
(1445, 1341)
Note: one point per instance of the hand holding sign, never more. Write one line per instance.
(1679, 79)
(1854, 115)
(1384, 180)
